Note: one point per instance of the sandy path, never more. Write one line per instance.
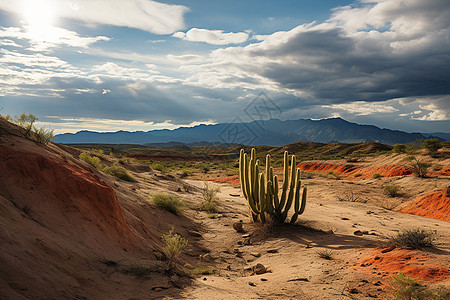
(291, 252)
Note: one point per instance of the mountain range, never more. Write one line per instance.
(271, 132)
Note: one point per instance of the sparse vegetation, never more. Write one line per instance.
(325, 254)
(174, 244)
(348, 197)
(119, 172)
(168, 202)
(358, 175)
(377, 175)
(414, 239)
(184, 174)
(27, 121)
(209, 194)
(392, 190)
(138, 270)
(432, 145)
(399, 148)
(92, 160)
(202, 271)
(420, 167)
(408, 288)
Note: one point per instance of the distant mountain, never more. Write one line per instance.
(272, 132)
(443, 135)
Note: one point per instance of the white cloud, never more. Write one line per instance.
(10, 43)
(51, 37)
(360, 108)
(72, 125)
(213, 37)
(106, 91)
(147, 15)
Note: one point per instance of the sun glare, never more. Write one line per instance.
(39, 17)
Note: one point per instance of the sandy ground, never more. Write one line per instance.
(290, 252)
(68, 231)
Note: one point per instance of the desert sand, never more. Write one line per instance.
(68, 231)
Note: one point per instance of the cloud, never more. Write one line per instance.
(360, 108)
(50, 38)
(147, 15)
(106, 91)
(213, 37)
(372, 52)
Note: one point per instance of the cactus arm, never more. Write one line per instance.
(262, 198)
(298, 184)
(285, 180)
(302, 207)
(276, 201)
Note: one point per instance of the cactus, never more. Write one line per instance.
(261, 189)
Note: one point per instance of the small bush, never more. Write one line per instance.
(92, 160)
(159, 167)
(432, 145)
(168, 202)
(414, 239)
(399, 148)
(406, 287)
(358, 175)
(209, 194)
(420, 168)
(119, 172)
(202, 271)
(138, 270)
(392, 190)
(184, 174)
(174, 244)
(376, 176)
(325, 254)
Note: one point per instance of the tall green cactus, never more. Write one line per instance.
(261, 189)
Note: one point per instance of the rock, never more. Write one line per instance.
(378, 283)
(238, 227)
(388, 249)
(245, 235)
(259, 269)
(365, 232)
(158, 289)
(247, 241)
(272, 250)
(353, 291)
(377, 258)
(263, 279)
(255, 254)
(251, 284)
(345, 219)
(358, 233)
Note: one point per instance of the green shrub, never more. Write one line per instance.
(376, 176)
(392, 190)
(348, 197)
(43, 135)
(432, 145)
(414, 239)
(92, 160)
(159, 167)
(408, 288)
(420, 168)
(138, 270)
(174, 244)
(184, 174)
(119, 172)
(399, 148)
(209, 194)
(168, 202)
(202, 271)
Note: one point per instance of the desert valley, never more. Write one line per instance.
(71, 230)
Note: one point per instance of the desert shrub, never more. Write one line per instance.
(358, 175)
(376, 176)
(43, 135)
(413, 239)
(174, 244)
(168, 202)
(92, 160)
(306, 174)
(420, 168)
(348, 197)
(159, 167)
(138, 270)
(399, 148)
(119, 172)
(432, 145)
(392, 190)
(407, 288)
(184, 174)
(325, 254)
(209, 194)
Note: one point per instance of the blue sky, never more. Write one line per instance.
(141, 65)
